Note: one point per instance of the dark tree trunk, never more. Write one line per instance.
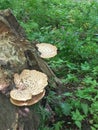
(10, 119)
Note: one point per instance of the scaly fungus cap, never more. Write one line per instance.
(18, 82)
(32, 101)
(17, 79)
(46, 50)
(32, 80)
(20, 95)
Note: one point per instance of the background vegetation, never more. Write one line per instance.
(71, 25)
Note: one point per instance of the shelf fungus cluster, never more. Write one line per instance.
(47, 50)
(30, 87)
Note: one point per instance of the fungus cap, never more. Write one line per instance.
(33, 80)
(17, 79)
(47, 50)
(18, 82)
(30, 102)
(20, 95)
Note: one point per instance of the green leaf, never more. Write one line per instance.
(66, 108)
(85, 66)
(92, 128)
(84, 108)
(76, 115)
(58, 125)
(78, 123)
(96, 125)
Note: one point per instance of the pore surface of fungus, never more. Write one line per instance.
(47, 50)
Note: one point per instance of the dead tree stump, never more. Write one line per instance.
(17, 53)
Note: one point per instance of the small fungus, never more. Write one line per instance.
(47, 50)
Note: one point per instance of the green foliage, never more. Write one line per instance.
(58, 125)
(5, 4)
(63, 109)
(85, 108)
(72, 26)
(77, 117)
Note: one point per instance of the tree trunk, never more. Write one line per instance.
(10, 117)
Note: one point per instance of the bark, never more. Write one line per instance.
(10, 117)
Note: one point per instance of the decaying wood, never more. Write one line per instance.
(8, 20)
(16, 45)
(9, 23)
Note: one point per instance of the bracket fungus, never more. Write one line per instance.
(20, 95)
(30, 86)
(29, 102)
(32, 80)
(47, 50)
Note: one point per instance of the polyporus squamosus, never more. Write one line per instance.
(32, 80)
(20, 95)
(30, 86)
(21, 100)
(47, 50)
